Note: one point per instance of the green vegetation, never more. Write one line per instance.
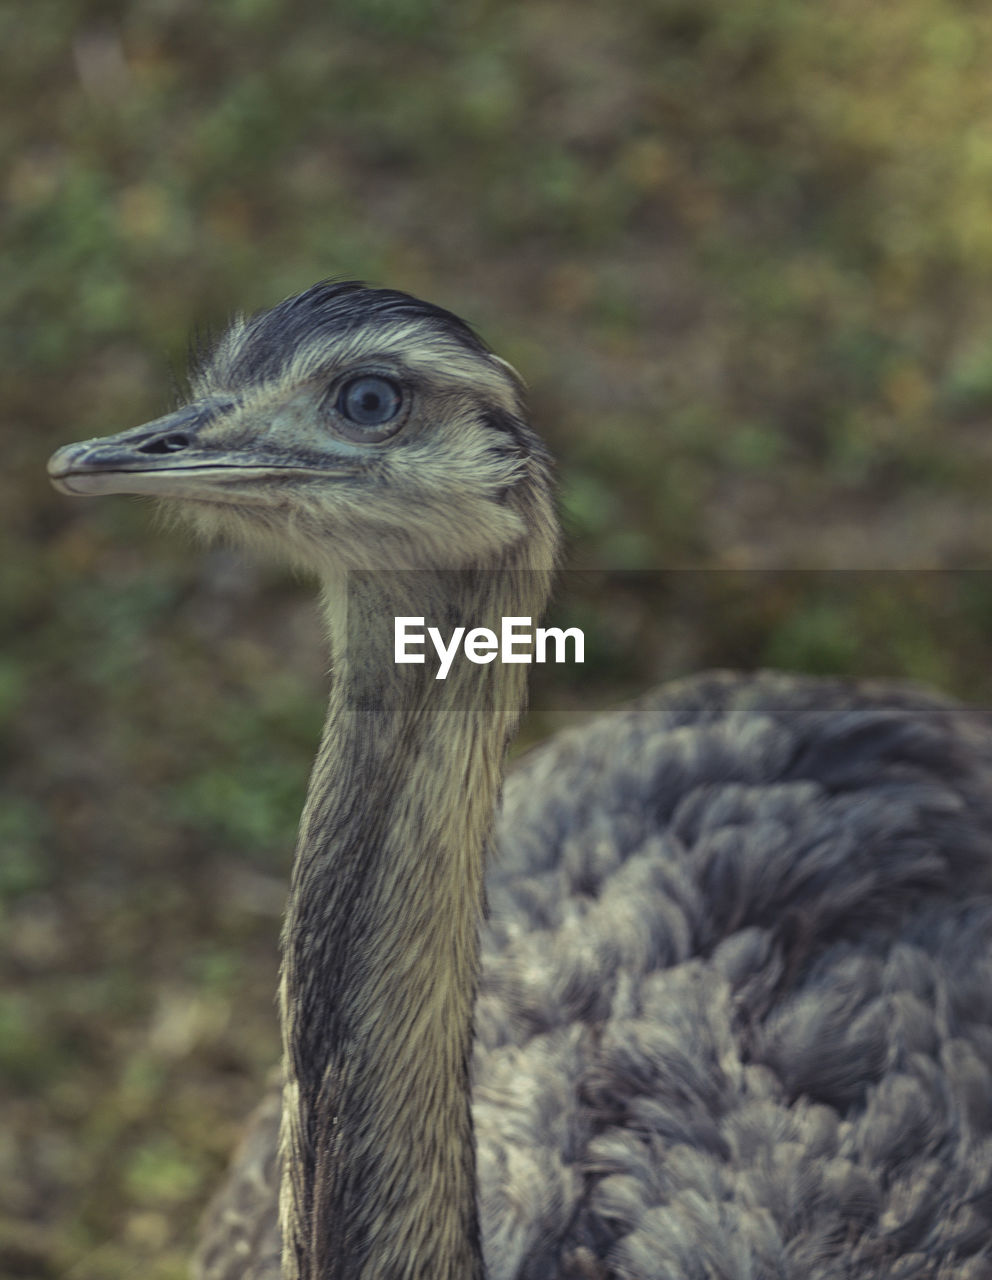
(741, 252)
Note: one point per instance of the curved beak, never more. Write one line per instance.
(173, 456)
(146, 459)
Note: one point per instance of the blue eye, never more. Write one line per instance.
(369, 401)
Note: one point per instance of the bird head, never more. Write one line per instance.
(345, 428)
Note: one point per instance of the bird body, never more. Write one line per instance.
(729, 1011)
(736, 998)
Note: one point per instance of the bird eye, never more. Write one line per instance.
(369, 401)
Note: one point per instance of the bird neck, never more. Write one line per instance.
(381, 947)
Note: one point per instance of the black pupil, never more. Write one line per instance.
(369, 401)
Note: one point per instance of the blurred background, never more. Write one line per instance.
(742, 252)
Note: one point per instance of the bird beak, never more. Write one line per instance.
(159, 458)
(176, 457)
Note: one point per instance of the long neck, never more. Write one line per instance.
(380, 957)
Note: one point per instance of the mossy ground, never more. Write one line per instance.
(742, 253)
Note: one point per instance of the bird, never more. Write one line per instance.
(701, 987)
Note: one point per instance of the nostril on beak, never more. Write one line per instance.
(166, 444)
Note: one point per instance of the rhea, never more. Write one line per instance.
(710, 996)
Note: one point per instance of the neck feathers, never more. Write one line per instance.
(380, 949)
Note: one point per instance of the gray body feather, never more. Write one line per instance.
(736, 1008)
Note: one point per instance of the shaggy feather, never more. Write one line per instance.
(736, 1006)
